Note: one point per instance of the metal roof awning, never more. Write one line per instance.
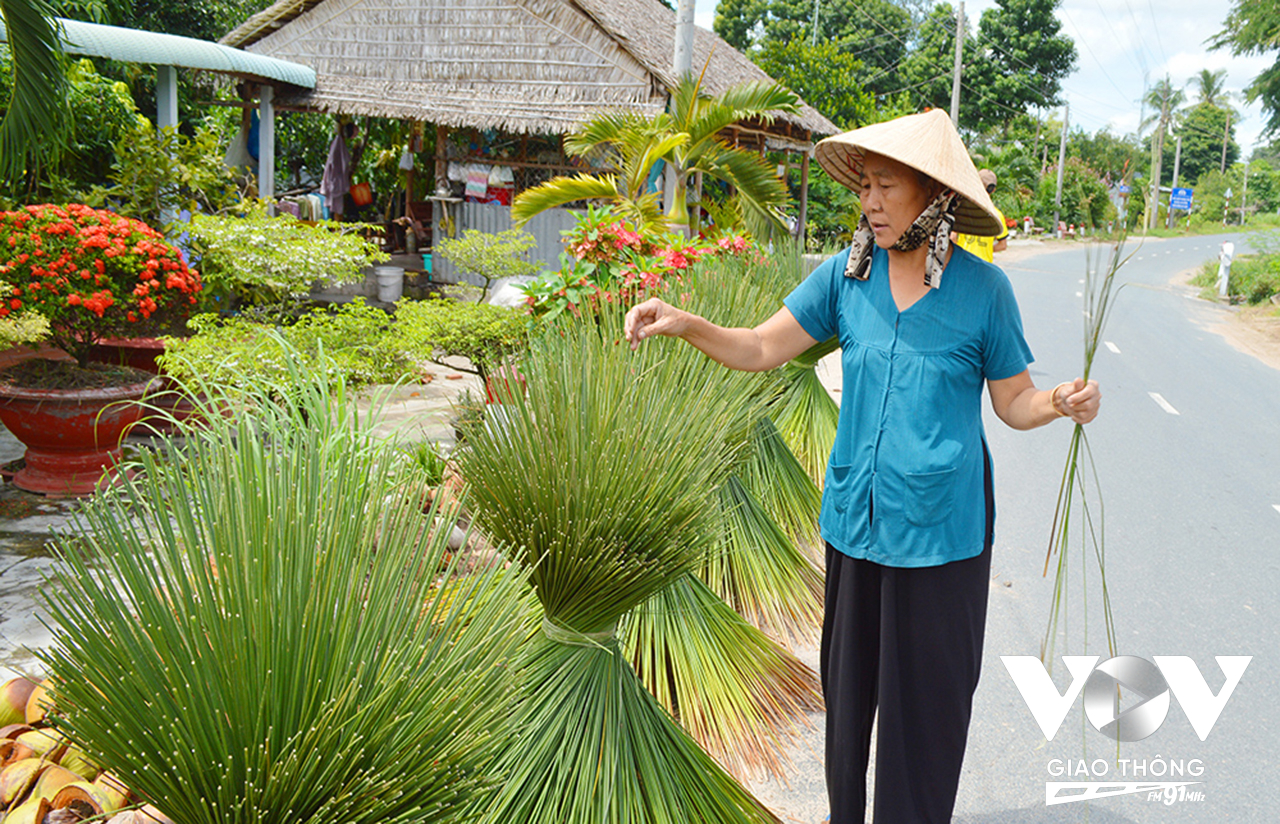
(134, 46)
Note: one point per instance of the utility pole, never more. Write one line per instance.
(1244, 195)
(681, 65)
(1177, 162)
(1062, 161)
(1157, 157)
(1226, 134)
(955, 71)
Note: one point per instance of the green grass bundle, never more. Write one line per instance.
(731, 687)
(266, 628)
(603, 477)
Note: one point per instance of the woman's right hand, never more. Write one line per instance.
(654, 317)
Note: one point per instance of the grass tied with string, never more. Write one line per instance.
(602, 478)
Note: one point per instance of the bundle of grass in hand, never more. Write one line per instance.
(266, 628)
(603, 480)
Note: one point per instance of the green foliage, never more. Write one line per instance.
(1084, 199)
(100, 111)
(609, 260)
(827, 78)
(1254, 278)
(352, 344)
(926, 71)
(1202, 129)
(1253, 27)
(34, 126)
(157, 174)
(439, 328)
(267, 627)
(1029, 58)
(259, 259)
(687, 136)
(491, 256)
(876, 32)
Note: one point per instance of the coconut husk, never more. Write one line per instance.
(17, 779)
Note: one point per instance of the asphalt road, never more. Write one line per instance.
(1187, 450)
(1191, 487)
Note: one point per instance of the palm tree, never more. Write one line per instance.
(688, 137)
(1211, 88)
(38, 98)
(1164, 98)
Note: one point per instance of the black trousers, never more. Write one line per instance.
(907, 642)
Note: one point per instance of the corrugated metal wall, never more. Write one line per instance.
(493, 218)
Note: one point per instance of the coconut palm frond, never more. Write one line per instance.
(760, 573)
(603, 474)
(608, 127)
(761, 99)
(736, 692)
(560, 191)
(259, 626)
(34, 125)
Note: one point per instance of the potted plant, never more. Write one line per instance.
(91, 275)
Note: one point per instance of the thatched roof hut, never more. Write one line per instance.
(523, 66)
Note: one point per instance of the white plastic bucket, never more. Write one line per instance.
(390, 282)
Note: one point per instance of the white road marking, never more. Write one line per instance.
(1163, 404)
(1276, 507)
(1115, 350)
(1079, 294)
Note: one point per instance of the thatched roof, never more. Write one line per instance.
(534, 66)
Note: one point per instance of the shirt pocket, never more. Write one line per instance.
(930, 496)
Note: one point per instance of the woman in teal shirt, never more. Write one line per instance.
(907, 509)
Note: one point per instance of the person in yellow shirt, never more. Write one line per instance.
(985, 247)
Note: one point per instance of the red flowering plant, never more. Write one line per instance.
(609, 259)
(91, 274)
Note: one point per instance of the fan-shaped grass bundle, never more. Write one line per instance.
(267, 628)
(603, 480)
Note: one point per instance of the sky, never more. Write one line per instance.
(1124, 47)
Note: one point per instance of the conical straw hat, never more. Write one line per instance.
(926, 142)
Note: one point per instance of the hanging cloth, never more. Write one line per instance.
(337, 176)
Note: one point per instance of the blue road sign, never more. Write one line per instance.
(1180, 199)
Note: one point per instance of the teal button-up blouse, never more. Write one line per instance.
(904, 484)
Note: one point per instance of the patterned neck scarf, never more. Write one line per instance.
(932, 226)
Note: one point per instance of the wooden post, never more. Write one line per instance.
(804, 198)
(409, 173)
(442, 158)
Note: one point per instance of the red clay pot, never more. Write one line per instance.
(140, 353)
(71, 435)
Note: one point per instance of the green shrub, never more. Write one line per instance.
(480, 332)
(492, 257)
(352, 343)
(258, 259)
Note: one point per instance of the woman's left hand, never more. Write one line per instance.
(1077, 399)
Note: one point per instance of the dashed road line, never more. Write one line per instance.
(1115, 350)
(1163, 404)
